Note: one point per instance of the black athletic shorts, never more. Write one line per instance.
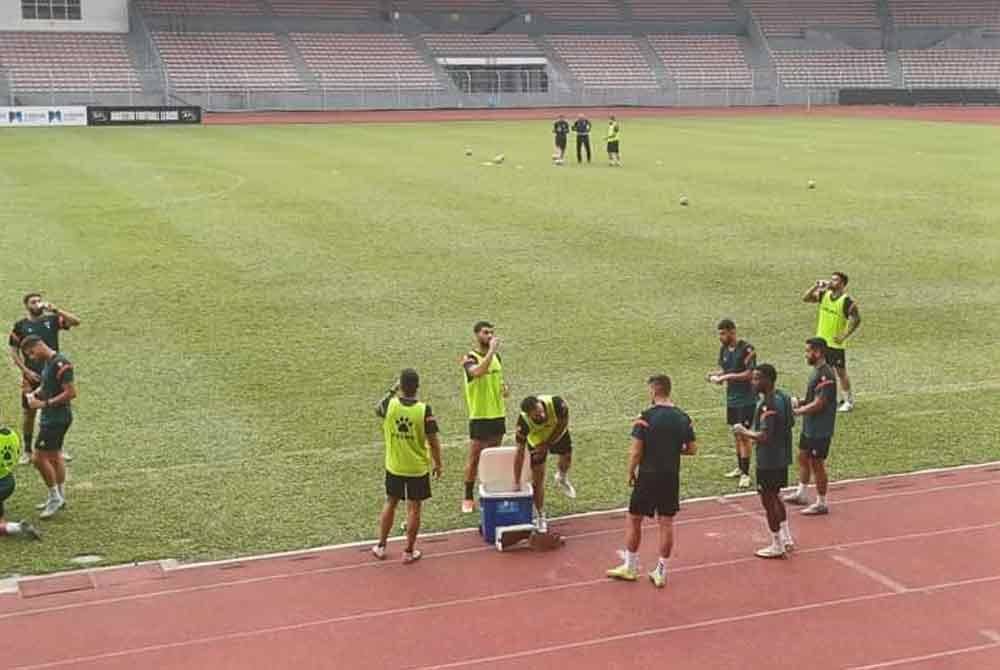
(407, 488)
(6, 491)
(836, 358)
(561, 141)
(563, 446)
(484, 429)
(816, 447)
(656, 494)
(769, 479)
(740, 415)
(51, 436)
(612, 147)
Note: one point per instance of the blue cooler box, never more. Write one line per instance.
(503, 509)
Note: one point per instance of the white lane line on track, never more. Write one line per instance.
(883, 579)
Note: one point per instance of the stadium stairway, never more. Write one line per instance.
(560, 76)
(447, 83)
(663, 76)
(307, 76)
(758, 54)
(889, 44)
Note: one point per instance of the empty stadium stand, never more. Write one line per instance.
(854, 68)
(450, 6)
(98, 62)
(226, 61)
(356, 61)
(459, 44)
(951, 68)
(590, 10)
(929, 13)
(197, 7)
(339, 9)
(681, 10)
(790, 18)
(606, 61)
(704, 61)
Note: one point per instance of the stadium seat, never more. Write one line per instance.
(704, 61)
(832, 68)
(37, 61)
(226, 61)
(370, 62)
(605, 61)
(458, 44)
(951, 68)
(790, 18)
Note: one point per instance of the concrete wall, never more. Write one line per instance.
(104, 16)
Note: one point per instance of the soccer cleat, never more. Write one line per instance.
(378, 551)
(468, 506)
(29, 531)
(541, 523)
(795, 499)
(846, 406)
(565, 484)
(51, 507)
(25, 458)
(733, 474)
(658, 577)
(66, 457)
(788, 543)
(744, 482)
(771, 551)
(816, 509)
(623, 572)
(411, 556)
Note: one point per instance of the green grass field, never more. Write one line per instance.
(248, 292)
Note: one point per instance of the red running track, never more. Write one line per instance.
(904, 573)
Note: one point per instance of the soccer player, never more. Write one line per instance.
(409, 428)
(582, 130)
(737, 359)
(561, 132)
(614, 138)
(772, 431)
(838, 319)
(9, 446)
(485, 391)
(44, 320)
(659, 437)
(819, 415)
(53, 396)
(543, 428)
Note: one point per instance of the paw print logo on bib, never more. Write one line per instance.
(404, 426)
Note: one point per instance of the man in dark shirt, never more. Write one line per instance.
(53, 396)
(736, 362)
(659, 437)
(582, 130)
(561, 132)
(819, 412)
(772, 431)
(44, 320)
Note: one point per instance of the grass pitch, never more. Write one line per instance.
(248, 292)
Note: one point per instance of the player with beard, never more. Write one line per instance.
(44, 320)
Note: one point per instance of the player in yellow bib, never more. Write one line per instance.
(412, 454)
(10, 447)
(485, 392)
(543, 427)
(839, 318)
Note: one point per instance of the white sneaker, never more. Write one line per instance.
(733, 474)
(816, 509)
(411, 557)
(771, 551)
(788, 543)
(378, 551)
(846, 406)
(25, 458)
(541, 523)
(51, 507)
(565, 484)
(795, 499)
(744, 482)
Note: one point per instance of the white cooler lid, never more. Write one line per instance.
(496, 471)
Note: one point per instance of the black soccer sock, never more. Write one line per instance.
(27, 443)
(744, 465)
(468, 489)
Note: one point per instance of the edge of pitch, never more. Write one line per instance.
(173, 565)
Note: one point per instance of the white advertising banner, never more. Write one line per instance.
(36, 117)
